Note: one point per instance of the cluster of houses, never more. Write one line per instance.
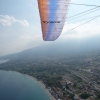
(84, 87)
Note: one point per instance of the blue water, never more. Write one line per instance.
(16, 86)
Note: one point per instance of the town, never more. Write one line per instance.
(67, 78)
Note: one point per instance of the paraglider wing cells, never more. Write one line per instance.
(53, 16)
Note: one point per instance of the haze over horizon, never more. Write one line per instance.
(20, 27)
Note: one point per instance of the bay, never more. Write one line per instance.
(16, 86)
(3, 61)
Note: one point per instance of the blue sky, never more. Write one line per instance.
(20, 27)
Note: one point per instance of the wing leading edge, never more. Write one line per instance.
(53, 16)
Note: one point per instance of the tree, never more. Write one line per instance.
(84, 95)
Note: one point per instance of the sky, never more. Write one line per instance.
(20, 27)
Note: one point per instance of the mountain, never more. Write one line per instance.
(53, 49)
(40, 51)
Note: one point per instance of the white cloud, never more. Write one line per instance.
(13, 40)
(6, 20)
(88, 30)
(21, 43)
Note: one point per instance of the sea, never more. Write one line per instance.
(3, 61)
(17, 86)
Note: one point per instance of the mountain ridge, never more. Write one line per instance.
(54, 49)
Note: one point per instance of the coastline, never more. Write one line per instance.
(43, 85)
(47, 91)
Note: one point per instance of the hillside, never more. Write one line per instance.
(54, 49)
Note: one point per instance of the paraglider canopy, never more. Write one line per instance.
(53, 16)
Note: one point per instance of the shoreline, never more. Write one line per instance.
(47, 91)
(43, 86)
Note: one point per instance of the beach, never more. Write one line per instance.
(47, 91)
(42, 85)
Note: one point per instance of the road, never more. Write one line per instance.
(84, 78)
